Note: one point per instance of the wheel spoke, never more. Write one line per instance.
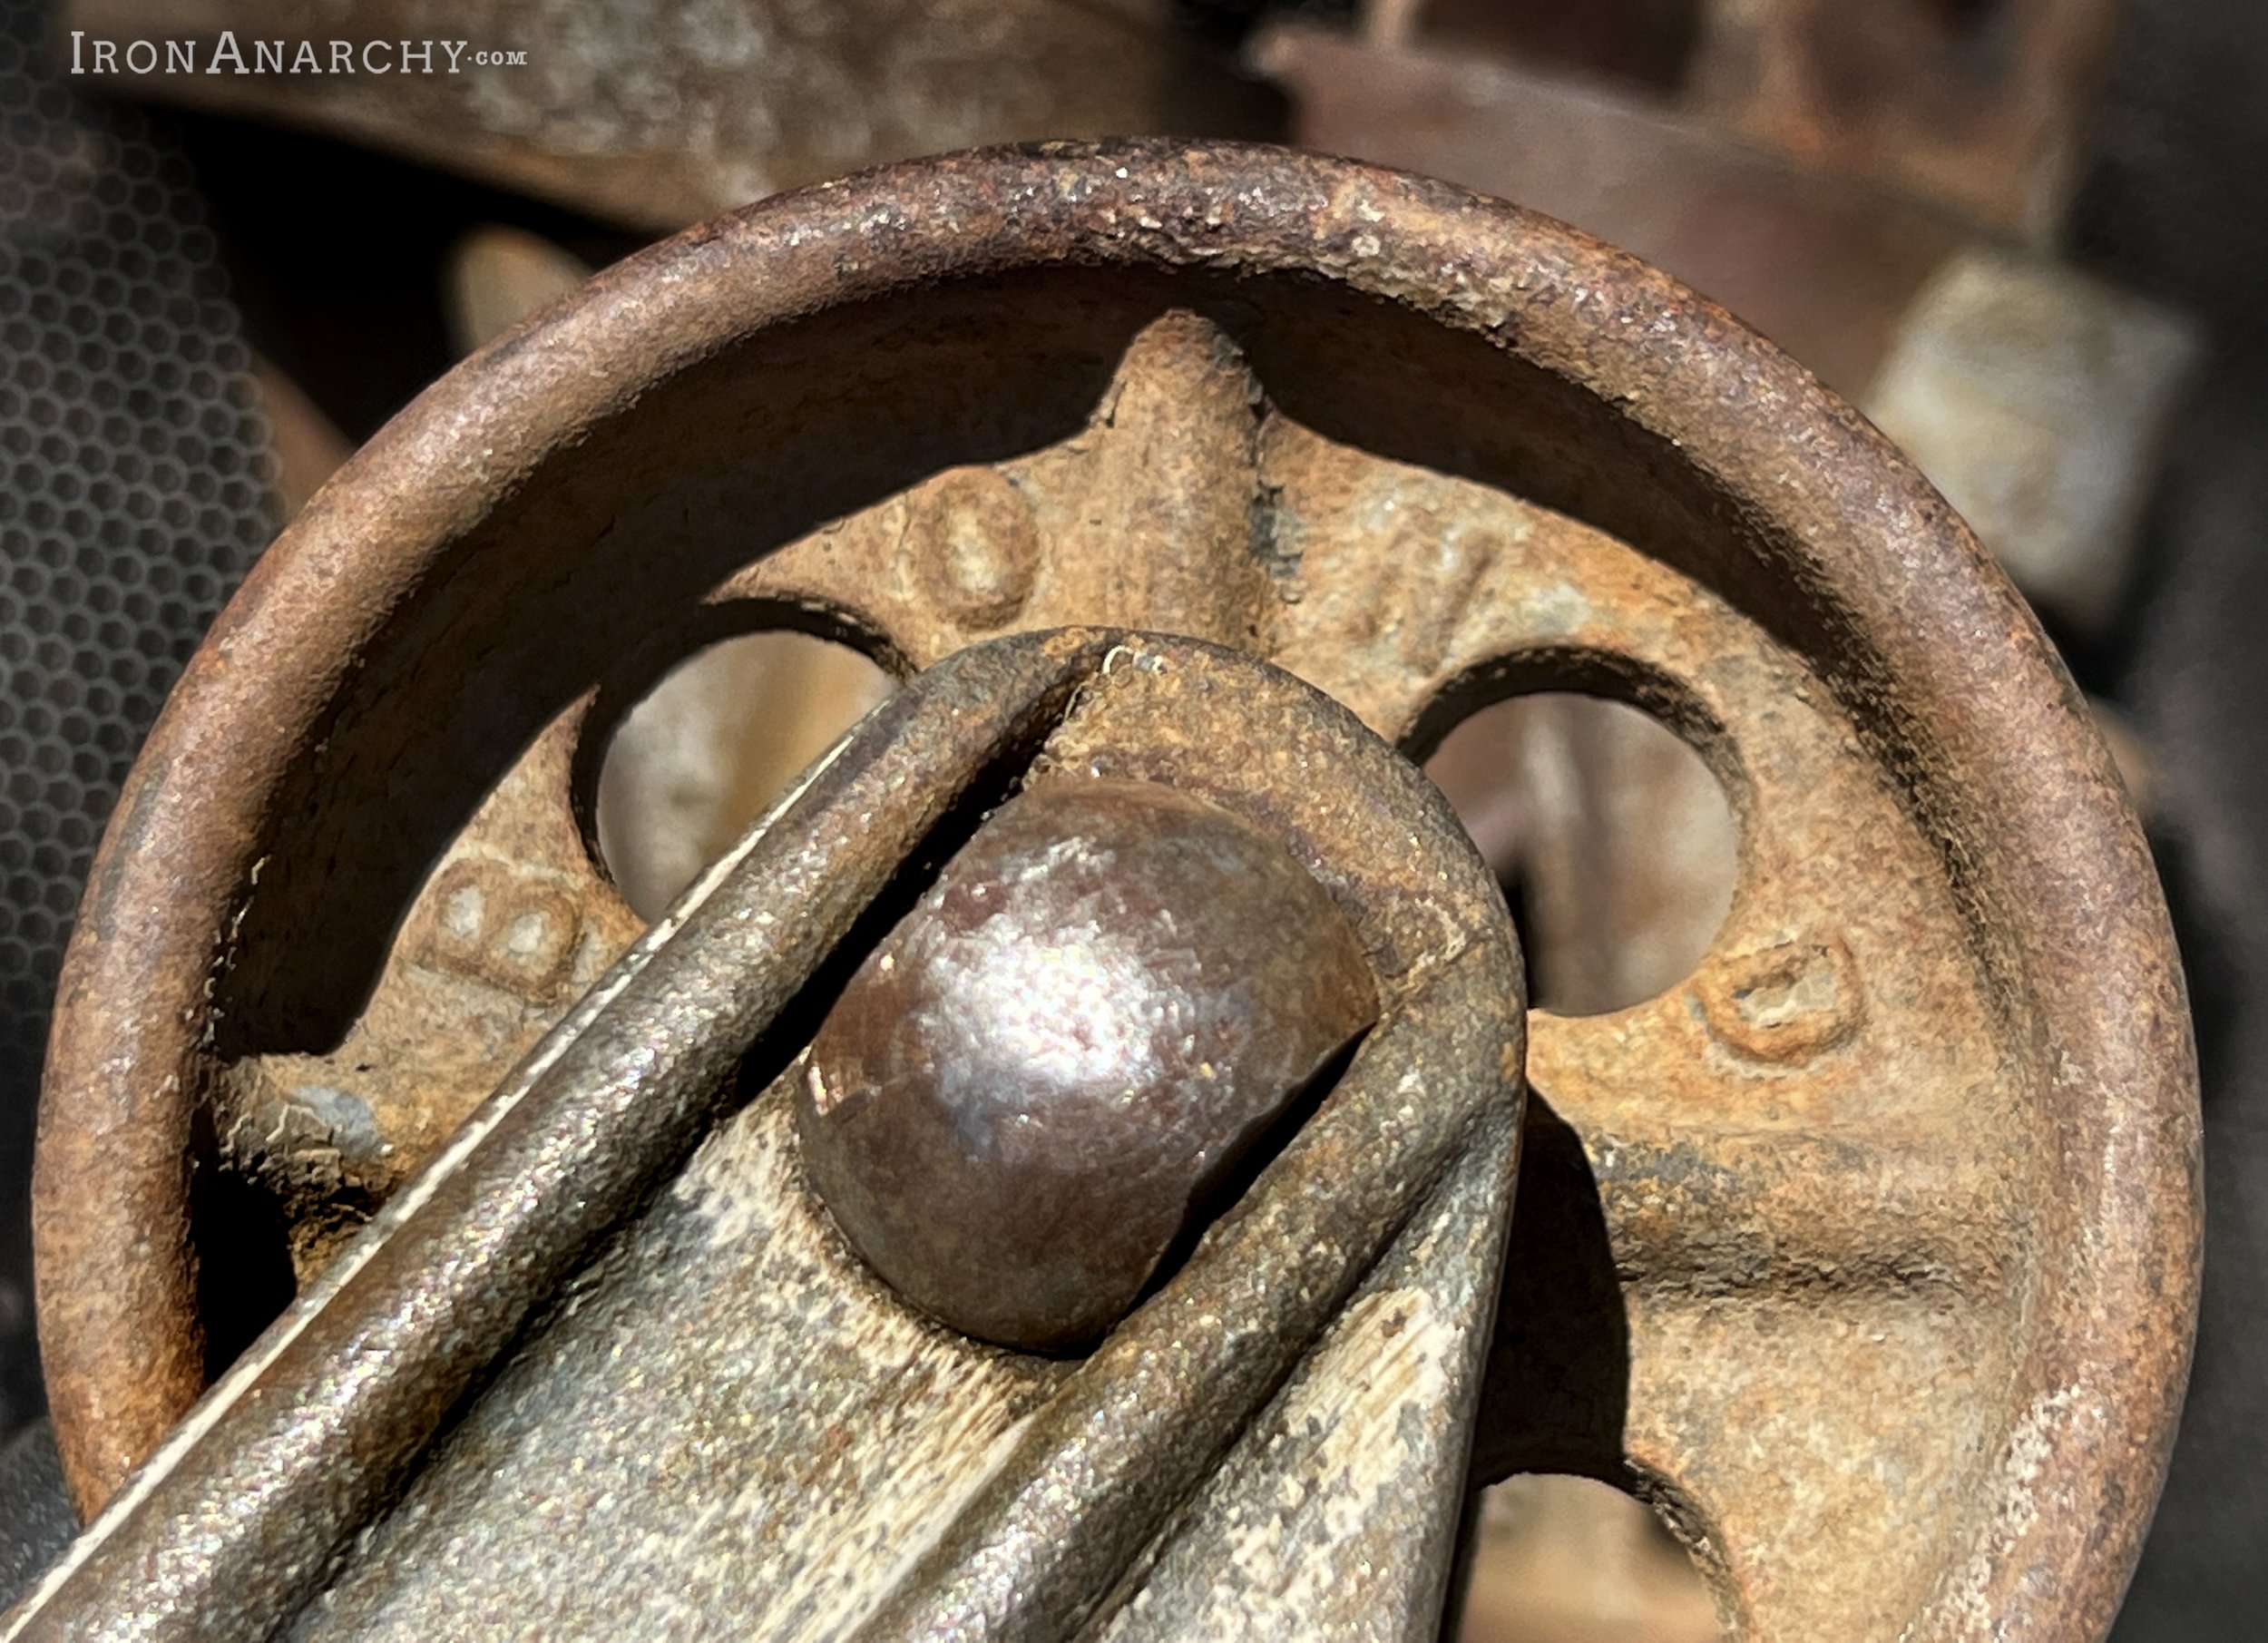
(1142, 518)
(1821, 1456)
(511, 927)
(1703, 1212)
(1399, 580)
(1788, 1337)
(1773, 1243)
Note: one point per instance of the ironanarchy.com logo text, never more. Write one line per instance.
(227, 55)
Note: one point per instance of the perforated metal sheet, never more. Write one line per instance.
(134, 495)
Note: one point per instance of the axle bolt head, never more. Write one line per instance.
(1028, 1094)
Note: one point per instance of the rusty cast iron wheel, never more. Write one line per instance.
(1868, 1254)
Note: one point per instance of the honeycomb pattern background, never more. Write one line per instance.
(133, 495)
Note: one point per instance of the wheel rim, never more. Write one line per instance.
(666, 455)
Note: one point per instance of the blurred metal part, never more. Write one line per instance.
(1821, 265)
(712, 745)
(1982, 106)
(1613, 833)
(1562, 1560)
(497, 276)
(2038, 397)
(307, 448)
(2040, 401)
(655, 116)
(1979, 107)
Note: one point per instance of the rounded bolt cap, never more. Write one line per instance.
(1029, 1090)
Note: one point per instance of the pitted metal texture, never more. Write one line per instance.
(1867, 1254)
